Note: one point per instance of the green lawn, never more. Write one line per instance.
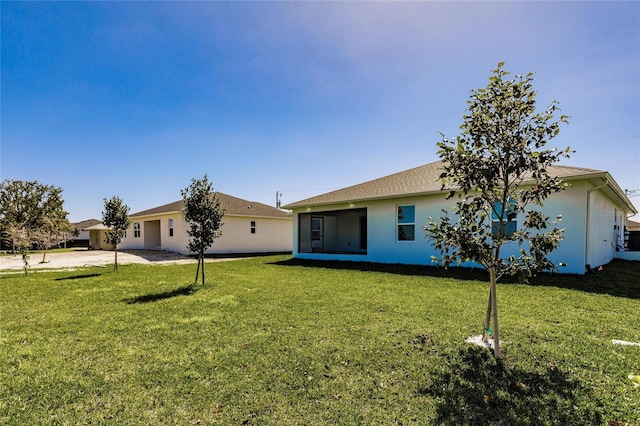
(277, 341)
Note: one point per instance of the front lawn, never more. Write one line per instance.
(277, 341)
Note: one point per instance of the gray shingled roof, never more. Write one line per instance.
(234, 206)
(86, 223)
(417, 181)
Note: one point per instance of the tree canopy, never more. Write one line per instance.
(497, 169)
(203, 212)
(32, 213)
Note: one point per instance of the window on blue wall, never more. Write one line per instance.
(406, 223)
(510, 219)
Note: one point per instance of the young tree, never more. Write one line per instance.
(26, 210)
(53, 231)
(203, 211)
(116, 217)
(498, 168)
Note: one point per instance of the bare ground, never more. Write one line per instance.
(82, 257)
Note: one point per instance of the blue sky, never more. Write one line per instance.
(136, 98)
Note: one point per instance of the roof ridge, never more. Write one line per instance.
(233, 204)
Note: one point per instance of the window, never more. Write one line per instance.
(136, 230)
(510, 219)
(406, 224)
(253, 226)
(171, 227)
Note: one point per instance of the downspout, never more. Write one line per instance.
(587, 233)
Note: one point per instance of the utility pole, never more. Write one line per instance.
(278, 195)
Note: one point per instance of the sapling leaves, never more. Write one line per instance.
(498, 166)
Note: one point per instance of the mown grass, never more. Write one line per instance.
(277, 341)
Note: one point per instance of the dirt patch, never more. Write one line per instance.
(82, 257)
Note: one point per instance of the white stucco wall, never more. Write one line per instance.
(272, 234)
(602, 241)
(571, 204)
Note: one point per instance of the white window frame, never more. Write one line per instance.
(405, 224)
(171, 227)
(136, 230)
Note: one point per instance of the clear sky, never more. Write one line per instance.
(136, 98)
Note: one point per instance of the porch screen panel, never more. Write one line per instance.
(304, 233)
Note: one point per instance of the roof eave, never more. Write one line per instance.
(139, 215)
(295, 206)
(611, 183)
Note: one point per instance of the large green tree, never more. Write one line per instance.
(115, 216)
(203, 211)
(497, 169)
(31, 213)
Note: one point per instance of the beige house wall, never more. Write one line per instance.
(271, 234)
(96, 240)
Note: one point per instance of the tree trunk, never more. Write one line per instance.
(203, 268)
(44, 255)
(487, 318)
(197, 270)
(115, 264)
(494, 308)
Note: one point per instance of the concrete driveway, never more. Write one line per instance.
(82, 257)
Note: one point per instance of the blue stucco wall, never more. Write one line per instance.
(571, 204)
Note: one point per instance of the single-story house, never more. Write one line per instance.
(380, 220)
(632, 235)
(97, 234)
(248, 227)
(82, 240)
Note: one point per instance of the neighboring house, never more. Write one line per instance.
(82, 240)
(632, 235)
(380, 220)
(248, 227)
(97, 234)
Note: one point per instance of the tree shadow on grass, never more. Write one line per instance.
(471, 387)
(147, 298)
(618, 278)
(78, 277)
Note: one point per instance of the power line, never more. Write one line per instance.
(620, 164)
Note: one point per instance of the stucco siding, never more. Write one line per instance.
(571, 251)
(570, 203)
(272, 234)
(97, 240)
(383, 241)
(383, 245)
(603, 216)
